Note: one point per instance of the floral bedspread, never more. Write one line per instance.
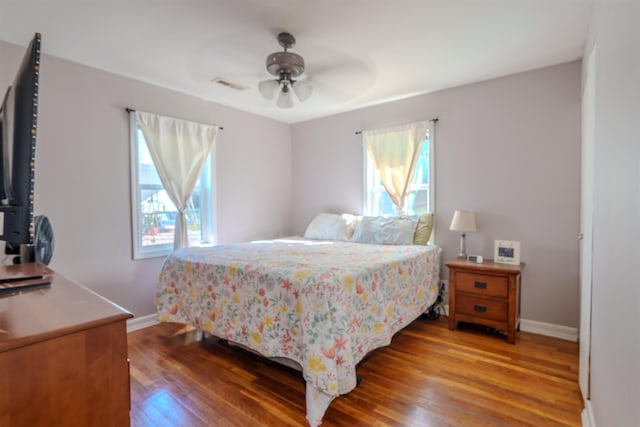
(324, 305)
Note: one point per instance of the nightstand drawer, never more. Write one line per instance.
(482, 308)
(474, 283)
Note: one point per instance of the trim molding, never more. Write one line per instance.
(549, 329)
(136, 323)
(588, 418)
(542, 328)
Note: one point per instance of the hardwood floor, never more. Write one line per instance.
(428, 376)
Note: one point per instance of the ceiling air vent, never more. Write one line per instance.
(227, 83)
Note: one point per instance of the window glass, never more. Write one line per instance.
(154, 214)
(419, 199)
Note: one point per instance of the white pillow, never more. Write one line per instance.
(326, 226)
(396, 230)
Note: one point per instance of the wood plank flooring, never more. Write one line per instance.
(428, 376)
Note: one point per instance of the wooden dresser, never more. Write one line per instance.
(63, 355)
(486, 293)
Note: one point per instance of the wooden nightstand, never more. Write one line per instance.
(487, 293)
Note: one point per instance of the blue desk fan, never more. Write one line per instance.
(43, 241)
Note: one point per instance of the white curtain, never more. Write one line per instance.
(179, 150)
(394, 153)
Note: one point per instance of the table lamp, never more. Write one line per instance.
(463, 221)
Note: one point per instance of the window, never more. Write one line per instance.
(420, 197)
(153, 213)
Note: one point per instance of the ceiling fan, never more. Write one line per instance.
(285, 66)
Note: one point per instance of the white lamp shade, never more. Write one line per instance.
(285, 99)
(268, 88)
(303, 90)
(463, 221)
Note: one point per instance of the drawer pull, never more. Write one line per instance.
(480, 285)
(480, 308)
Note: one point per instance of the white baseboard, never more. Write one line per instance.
(542, 328)
(141, 322)
(549, 329)
(588, 418)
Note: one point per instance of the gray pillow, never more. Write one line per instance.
(387, 230)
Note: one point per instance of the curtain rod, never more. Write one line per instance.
(131, 110)
(359, 132)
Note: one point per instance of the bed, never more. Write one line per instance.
(323, 304)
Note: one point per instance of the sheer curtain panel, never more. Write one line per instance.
(394, 152)
(179, 150)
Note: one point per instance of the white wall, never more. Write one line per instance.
(508, 149)
(615, 337)
(82, 172)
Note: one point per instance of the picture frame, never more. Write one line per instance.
(507, 252)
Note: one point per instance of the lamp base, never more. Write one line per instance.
(463, 250)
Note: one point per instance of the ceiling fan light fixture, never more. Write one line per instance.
(303, 90)
(268, 88)
(285, 99)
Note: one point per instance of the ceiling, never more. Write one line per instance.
(358, 52)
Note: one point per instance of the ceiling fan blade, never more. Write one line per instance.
(337, 76)
(244, 54)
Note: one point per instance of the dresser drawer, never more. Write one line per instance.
(482, 308)
(474, 283)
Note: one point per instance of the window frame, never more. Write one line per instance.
(431, 186)
(207, 202)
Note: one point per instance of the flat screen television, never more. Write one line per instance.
(18, 125)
